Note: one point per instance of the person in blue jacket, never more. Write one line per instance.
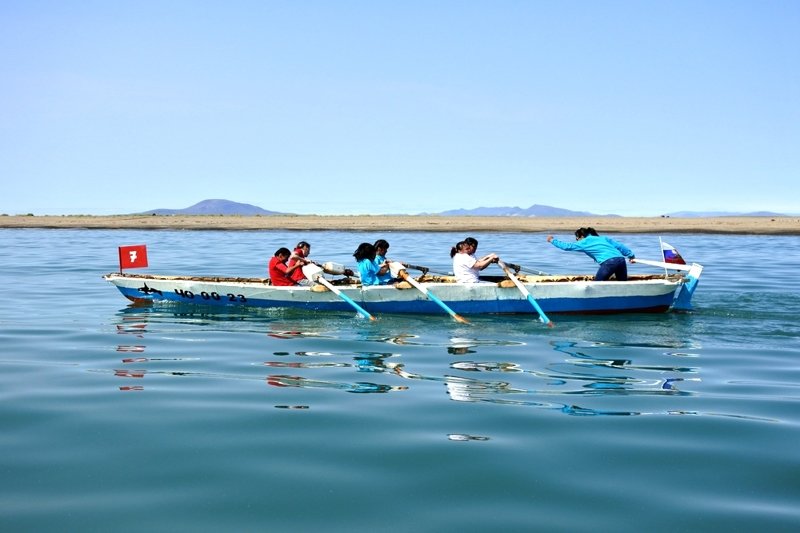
(608, 253)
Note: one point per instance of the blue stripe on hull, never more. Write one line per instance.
(338, 305)
(607, 305)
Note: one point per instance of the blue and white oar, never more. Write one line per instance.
(527, 294)
(398, 271)
(314, 273)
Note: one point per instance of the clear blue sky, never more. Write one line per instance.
(353, 107)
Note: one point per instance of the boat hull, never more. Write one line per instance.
(646, 295)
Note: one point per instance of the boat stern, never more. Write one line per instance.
(683, 301)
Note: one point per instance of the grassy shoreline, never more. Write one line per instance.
(723, 225)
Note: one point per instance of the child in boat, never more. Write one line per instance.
(608, 253)
(371, 273)
(300, 252)
(381, 247)
(280, 273)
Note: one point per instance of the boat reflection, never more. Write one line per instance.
(599, 374)
(499, 392)
(362, 362)
(481, 363)
(463, 437)
(588, 371)
(133, 321)
(359, 387)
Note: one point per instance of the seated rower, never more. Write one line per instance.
(371, 273)
(467, 267)
(280, 274)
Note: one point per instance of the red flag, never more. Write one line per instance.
(134, 256)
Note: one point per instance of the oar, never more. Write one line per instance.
(425, 270)
(527, 294)
(422, 269)
(399, 272)
(517, 268)
(314, 273)
(662, 264)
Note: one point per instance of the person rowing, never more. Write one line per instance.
(381, 248)
(281, 274)
(284, 266)
(370, 271)
(467, 267)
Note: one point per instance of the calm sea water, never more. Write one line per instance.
(167, 418)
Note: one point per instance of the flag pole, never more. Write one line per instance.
(661, 250)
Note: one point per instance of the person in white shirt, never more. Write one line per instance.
(467, 267)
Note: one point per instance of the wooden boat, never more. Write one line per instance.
(555, 294)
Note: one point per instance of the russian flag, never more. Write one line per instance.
(671, 255)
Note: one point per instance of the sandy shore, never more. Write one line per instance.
(556, 225)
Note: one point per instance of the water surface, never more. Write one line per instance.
(172, 417)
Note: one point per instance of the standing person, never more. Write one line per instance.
(300, 252)
(467, 267)
(608, 253)
(370, 272)
(280, 273)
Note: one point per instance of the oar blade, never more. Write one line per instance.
(432, 297)
(542, 317)
(437, 301)
(361, 311)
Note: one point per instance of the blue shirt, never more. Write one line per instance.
(384, 278)
(368, 271)
(598, 248)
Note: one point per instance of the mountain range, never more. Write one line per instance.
(227, 207)
(214, 207)
(532, 211)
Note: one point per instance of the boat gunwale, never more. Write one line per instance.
(428, 280)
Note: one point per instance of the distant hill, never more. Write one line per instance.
(532, 211)
(705, 214)
(215, 207)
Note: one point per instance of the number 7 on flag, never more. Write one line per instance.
(133, 256)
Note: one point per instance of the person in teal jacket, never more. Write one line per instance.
(608, 253)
